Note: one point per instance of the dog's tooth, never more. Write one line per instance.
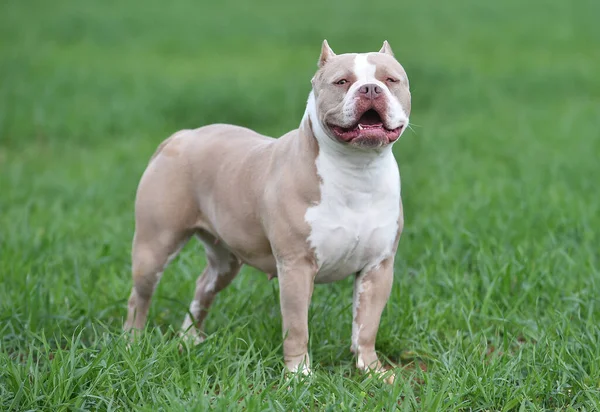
(360, 127)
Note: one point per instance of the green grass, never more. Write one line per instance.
(495, 303)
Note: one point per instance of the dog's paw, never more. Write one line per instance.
(300, 370)
(385, 375)
(298, 374)
(131, 336)
(299, 365)
(376, 368)
(190, 339)
(388, 377)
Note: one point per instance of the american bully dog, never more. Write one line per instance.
(316, 205)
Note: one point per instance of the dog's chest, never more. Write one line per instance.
(355, 224)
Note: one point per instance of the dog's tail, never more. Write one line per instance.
(166, 142)
(161, 147)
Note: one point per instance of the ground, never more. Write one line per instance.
(495, 301)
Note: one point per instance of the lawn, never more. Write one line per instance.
(495, 304)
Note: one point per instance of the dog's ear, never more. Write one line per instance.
(386, 48)
(326, 54)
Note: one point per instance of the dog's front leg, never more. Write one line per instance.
(371, 292)
(296, 283)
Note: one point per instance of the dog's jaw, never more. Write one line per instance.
(345, 153)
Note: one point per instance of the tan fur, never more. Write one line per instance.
(245, 197)
(187, 190)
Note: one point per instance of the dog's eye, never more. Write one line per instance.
(392, 80)
(341, 82)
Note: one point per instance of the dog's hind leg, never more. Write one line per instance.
(150, 256)
(165, 214)
(221, 268)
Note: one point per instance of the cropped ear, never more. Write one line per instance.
(386, 48)
(326, 54)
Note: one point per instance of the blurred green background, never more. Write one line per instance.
(496, 293)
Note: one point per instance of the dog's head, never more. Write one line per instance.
(362, 100)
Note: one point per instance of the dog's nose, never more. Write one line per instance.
(370, 91)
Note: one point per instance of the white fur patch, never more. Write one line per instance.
(303, 367)
(358, 290)
(195, 311)
(195, 308)
(356, 222)
(360, 363)
(212, 281)
(364, 71)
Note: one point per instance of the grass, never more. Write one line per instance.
(495, 303)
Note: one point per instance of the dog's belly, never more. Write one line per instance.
(242, 237)
(252, 249)
(261, 259)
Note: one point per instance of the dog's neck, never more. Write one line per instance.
(343, 155)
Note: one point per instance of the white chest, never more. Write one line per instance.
(355, 224)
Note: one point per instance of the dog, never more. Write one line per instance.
(316, 205)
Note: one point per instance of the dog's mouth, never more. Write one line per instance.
(369, 126)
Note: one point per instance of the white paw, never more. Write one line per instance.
(301, 369)
(190, 338)
(299, 366)
(376, 368)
